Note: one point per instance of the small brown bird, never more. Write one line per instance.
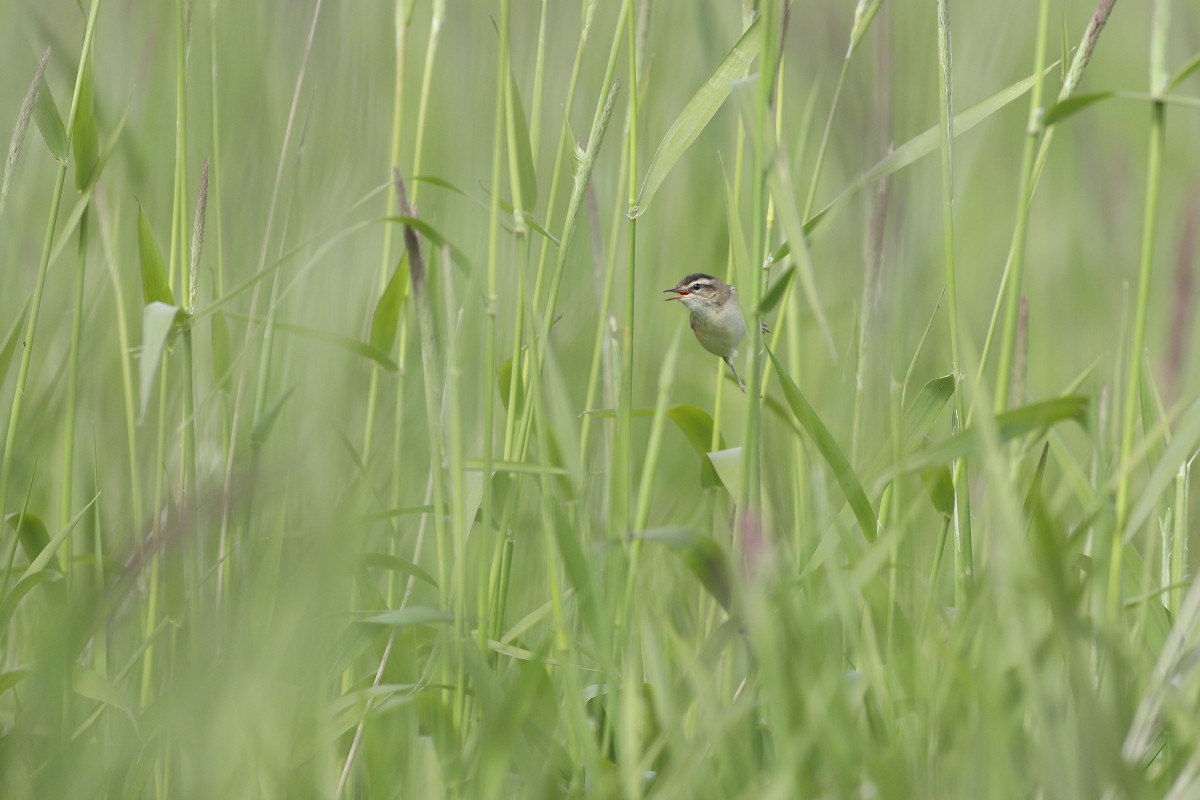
(716, 316)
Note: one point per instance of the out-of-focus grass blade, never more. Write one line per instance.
(927, 142)
(1184, 72)
(32, 533)
(397, 564)
(1072, 105)
(702, 555)
(10, 601)
(1009, 425)
(347, 343)
(775, 294)
(263, 426)
(697, 113)
(696, 424)
(66, 228)
(1034, 495)
(828, 447)
(386, 318)
(49, 122)
(158, 319)
(520, 467)
(1181, 449)
(926, 408)
(155, 286)
(86, 135)
(49, 550)
(504, 377)
(86, 682)
(526, 173)
(11, 678)
(17, 144)
(435, 237)
(939, 485)
(10, 341)
(222, 353)
(414, 615)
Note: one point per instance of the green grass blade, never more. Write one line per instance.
(697, 113)
(386, 318)
(158, 320)
(155, 286)
(828, 447)
(49, 122)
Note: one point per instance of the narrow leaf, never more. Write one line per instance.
(415, 615)
(697, 426)
(1185, 72)
(85, 137)
(698, 112)
(397, 564)
(524, 182)
(386, 318)
(1072, 105)
(939, 485)
(49, 122)
(347, 343)
(11, 678)
(925, 143)
(702, 555)
(10, 602)
(435, 237)
(830, 451)
(775, 294)
(1009, 425)
(10, 342)
(32, 533)
(157, 321)
(155, 286)
(222, 353)
(264, 424)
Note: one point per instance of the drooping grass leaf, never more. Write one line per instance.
(697, 113)
(85, 137)
(395, 563)
(11, 678)
(67, 228)
(158, 320)
(155, 286)
(702, 555)
(925, 143)
(1009, 425)
(1072, 105)
(697, 426)
(828, 447)
(926, 408)
(386, 318)
(435, 238)
(49, 122)
(347, 343)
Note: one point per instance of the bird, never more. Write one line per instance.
(716, 317)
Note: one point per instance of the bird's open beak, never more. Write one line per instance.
(678, 293)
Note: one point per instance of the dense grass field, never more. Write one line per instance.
(351, 450)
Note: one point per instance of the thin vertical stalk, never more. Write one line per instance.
(620, 519)
(39, 286)
(68, 465)
(963, 551)
(1016, 256)
(1154, 165)
(503, 553)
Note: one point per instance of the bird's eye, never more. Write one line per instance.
(697, 287)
